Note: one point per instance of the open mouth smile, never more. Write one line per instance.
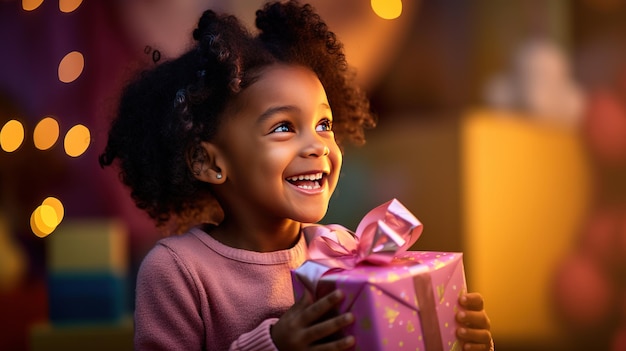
(311, 181)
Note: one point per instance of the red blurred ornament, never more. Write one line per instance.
(585, 295)
(605, 124)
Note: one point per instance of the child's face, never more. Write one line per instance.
(280, 155)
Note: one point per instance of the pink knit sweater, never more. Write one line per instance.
(194, 293)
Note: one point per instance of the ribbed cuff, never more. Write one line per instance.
(258, 339)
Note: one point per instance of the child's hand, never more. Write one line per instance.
(474, 332)
(302, 325)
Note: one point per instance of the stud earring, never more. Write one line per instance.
(218, 176)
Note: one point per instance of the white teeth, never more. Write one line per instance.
(316, 176)
(310, 187)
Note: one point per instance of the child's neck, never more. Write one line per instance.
(272, 237)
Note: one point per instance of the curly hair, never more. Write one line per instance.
(166, 112)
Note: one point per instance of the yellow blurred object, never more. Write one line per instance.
(526, 189)
(88, 245)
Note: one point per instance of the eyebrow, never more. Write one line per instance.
(274, 110)
(285, 108)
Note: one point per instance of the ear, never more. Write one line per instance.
(206, 163)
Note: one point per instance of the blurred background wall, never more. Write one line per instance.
(502, 126)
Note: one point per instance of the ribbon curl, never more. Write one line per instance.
(383, 233)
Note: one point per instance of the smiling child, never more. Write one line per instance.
(237, 143)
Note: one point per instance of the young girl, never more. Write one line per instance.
(237, 142)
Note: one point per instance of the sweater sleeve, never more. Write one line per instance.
(258, 339)
(166, 308)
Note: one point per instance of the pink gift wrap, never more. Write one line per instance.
(407, 302)
(385, 301)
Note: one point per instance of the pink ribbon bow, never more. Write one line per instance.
(383, 233)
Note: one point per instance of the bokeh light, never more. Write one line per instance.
(387, 9)
(57, 205)
(37, 225)
(30, 5)
(46, 133)
(11, 135)
(40, 226)
(68, 6)
(71, 67)
(36, 229)
(46, 217)
(77, 140)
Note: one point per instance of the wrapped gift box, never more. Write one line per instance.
(400, 299)
(410, 303)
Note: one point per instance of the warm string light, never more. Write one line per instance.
(12, 135)
(65, 6)
(47, 216)
(387, 9)
(30, 5)
(77, 140)
(46, 133)
(71, 67)
(68, 6)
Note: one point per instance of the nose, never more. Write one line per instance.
(315, 146)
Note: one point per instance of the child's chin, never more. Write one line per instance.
(312, 217)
